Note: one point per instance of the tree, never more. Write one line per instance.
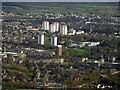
(94, 76)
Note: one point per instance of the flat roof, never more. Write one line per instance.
(10, 53)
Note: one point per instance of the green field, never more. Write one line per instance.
(46, 10)
(80, 50)
(67, 63)
(108, 11)
(38, 10)
(47, 42)
(60, 7)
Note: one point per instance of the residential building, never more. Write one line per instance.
(52, 28)
(45, 25)
(63, 30)
(54, 40)
(41, 38)
(56, 26)
(58, 50)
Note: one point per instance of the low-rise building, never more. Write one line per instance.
(79, 32)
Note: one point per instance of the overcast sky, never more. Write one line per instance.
(59, 0)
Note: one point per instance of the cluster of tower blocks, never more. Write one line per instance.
(58, 51)
(41, 39)
(55, 27)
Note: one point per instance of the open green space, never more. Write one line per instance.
(107, 11)
(67, 63)
(58, 7)
(47, 42)
(15, 7)
(80, 50)
(38, 10)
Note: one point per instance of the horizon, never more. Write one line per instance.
(60, 1)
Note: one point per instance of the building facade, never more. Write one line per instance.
(45, 25)
(58, 51)
(41, 38)
(56, 26)
(52, 28)
(54, 40)
(63, 30)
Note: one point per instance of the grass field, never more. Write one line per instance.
(38, 10)
(60, 7)
(80, 50)
(67, 63)
(108, 11)
(45, 10)
(47, 42)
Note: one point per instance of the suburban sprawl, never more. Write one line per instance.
(60, 45)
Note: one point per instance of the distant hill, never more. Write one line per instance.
(62, 7)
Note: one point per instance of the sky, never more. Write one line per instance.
(60, 0)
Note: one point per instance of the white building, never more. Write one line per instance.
(71, 32)
(56, 26)
(45, 25)
(54, 40)
(41, 38)
(63, 30)
(94, 43)
(79, 32)
(52, 28)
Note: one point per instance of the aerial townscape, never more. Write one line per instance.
(60, 45)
